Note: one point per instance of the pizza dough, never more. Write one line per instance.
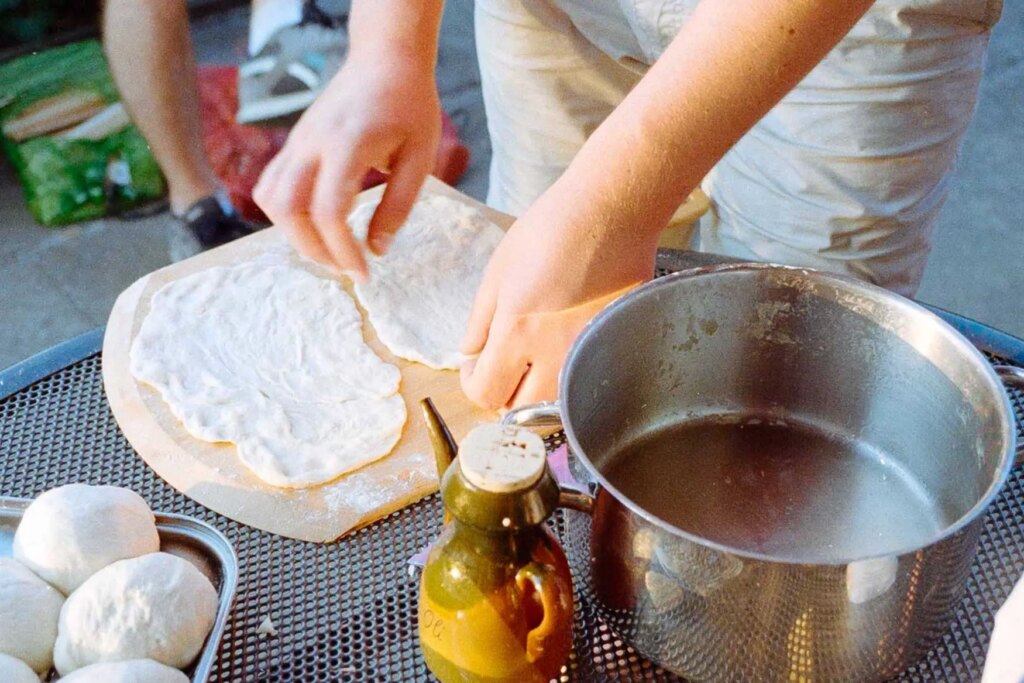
(157, 606)
(71, 532)
(271, 358)
(131, 671)
(420, 292)
(16, 671)
(29, 608)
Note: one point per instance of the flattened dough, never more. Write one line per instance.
(420, 292)
(271, 358)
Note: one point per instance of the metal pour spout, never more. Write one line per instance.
(445, 448)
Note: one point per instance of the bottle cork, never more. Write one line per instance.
(502, 458)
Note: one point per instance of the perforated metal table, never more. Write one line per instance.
(346, 611)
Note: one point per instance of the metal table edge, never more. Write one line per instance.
(54, 359)
(984, 337)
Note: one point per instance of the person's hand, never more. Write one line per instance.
(549, 276)
(1005, 661)
(379, 114)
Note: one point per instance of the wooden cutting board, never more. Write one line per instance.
(212, 474)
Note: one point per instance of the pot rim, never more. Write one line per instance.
(969, 354)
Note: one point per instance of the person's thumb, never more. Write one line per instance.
(481, 314)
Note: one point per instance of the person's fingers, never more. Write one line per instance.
(480, 315)
(491, 379)
(404, 182)
(287, 205)
(269, 181)
(539, 384)
(337, 185)
(304, 237)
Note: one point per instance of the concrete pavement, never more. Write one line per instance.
(56, 283)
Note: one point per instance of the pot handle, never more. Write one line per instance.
(547, 416)
(1012, 376)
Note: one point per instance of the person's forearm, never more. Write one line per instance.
(396, 29)
(730, 64)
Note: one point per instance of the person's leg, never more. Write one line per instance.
(546, 88)
(849, 172)
(150, 53)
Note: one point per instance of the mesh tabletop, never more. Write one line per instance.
(346, 611)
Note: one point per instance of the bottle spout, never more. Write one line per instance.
(445, 448)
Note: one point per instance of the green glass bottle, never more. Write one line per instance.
(496, 593)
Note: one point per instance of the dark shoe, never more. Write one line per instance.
(208, 223)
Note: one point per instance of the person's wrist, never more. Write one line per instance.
(602, 213)
(368, 69)
(623, 172)
(576, 227)
(393, 55)
(404, 78)
(395, 31)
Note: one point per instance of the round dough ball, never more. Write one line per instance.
(29, 609)
(70, 533)
(132, 671)
(157, 606)
(16, 671)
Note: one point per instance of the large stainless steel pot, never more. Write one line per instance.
(802, 346)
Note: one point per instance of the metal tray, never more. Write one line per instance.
(190, 539)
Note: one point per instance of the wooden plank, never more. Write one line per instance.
(212, 475)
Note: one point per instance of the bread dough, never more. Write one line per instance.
(29, 608)
(69, 533)
(157, 606)
(16, 671)
(131, 671)
(271, 358)
(420, 292)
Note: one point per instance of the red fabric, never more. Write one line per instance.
(239, 153)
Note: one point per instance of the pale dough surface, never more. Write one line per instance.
(29, 608)
(16, 671)
(131, 671)
(157, 606)
(420, 292)
(271, 358)
(71, 532)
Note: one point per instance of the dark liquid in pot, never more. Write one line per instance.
(786, 490)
